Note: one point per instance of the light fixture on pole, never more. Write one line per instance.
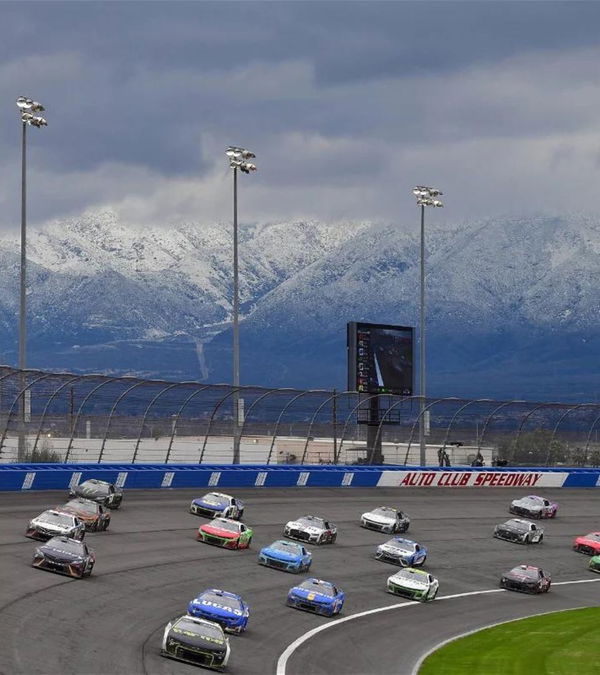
(27, 108)
(238, 159)
(426, 196)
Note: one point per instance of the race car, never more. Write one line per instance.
(315, 595)
(526, 579)
(216, 504)
(385, 519)
(520, 531)
(594, 565)
(226, 533)
(98, 491)
(196, 641)
(285, 555)
(312, 529)
(53, 523)
(94, 516)
(401, 551)
(533, 507)
(65, 556)
(413, 584)
(226, 609)
(588, 544)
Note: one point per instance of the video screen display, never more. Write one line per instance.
(380, 358)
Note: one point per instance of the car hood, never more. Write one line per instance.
(311, 529)
(50, 527)
(384, 520)
(208, 505)
(589, 542)
(280, 555)
(515, 576)
(218, 532)
(311, 595)
(397, 550)
(213, 610)
(196, 640)
(60, 555)
(413, 584)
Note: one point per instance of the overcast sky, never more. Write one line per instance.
(346, 104)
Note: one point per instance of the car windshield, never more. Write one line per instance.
(215, 500)
(205, 629)
(410, 575)
(81, 505)
(404, 544)
(517, 525)
(56, 518)
(93, 488)
(316, 587)
(285, 547)
(529, 572)
(384, 511)
(221, 600)
(67, 545)
(225, 525)
(594, 536)
(311, 521)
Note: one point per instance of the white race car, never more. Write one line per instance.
(385, 519)
(533, 507)
(311, 529)
(413, 584)
(54, 523)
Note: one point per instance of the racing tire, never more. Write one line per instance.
(249, 542)
(89, 572)
(241, 514)
(433, 597)
(541, 539)
(333, 538)
(420, 564)
(319, 540)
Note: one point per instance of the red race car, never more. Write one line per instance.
(226, 533)
(588, 544)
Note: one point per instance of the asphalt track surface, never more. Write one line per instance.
(149, 565)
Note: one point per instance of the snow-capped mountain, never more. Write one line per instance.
(512, 303)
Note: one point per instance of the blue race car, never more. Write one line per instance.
(315, 595)
(216, 504)
(226, 609)
(285, 555)
(401, 551)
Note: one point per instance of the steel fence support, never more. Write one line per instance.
(418, 420)
(457, 413)
(233, 391)
(312, 421)
(18, 398)
(178, 415)
(589, 436)
(85, 400)
(160, 393)
(489, 418)
(139, 383)
(562, 417)
(394, 405)
(41, 424)
(289, 403)
(367, 399)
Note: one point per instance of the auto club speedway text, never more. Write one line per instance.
(471, 479)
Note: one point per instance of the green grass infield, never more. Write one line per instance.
(560, 643)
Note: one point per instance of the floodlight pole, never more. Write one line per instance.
(422, 392)
(236, 327)
(23, 291)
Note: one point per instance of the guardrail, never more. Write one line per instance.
(19, 477)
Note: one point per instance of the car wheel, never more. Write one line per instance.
(241, 514)
(420, 564)
(541, 539)
(319, 540)
(249, 542)
(333, 538)
(548, 586)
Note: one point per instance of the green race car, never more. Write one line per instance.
(594, 565)
(226, 533)
(413, 584)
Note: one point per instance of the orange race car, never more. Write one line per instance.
(95, 516)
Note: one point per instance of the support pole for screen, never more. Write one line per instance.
(374, 454)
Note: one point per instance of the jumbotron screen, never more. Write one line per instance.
(380, 358)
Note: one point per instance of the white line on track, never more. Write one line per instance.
(290, 649)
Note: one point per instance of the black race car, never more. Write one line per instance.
(196, 641)
(527, 579)
(65, 556)
(98, 491)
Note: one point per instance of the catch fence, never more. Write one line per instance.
(66, 417)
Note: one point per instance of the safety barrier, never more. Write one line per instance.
(18, 477)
